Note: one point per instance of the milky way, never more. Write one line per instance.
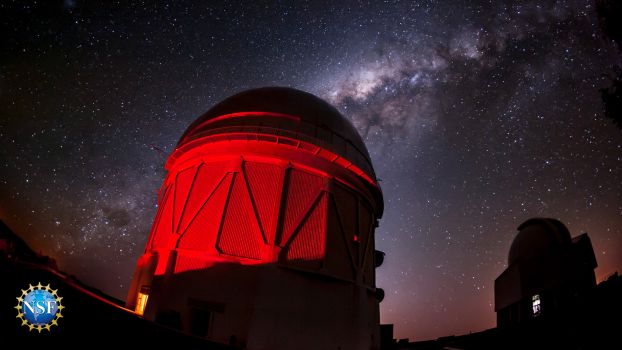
(477, 117)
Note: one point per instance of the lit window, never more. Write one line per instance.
(535, 305)
(141, 301)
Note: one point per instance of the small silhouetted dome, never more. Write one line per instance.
(315, 121)
(538, 237)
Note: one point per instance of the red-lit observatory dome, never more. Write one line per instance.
(284, 112)
(271, 192)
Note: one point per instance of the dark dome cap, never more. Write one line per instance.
(538, 237)
(285, 112)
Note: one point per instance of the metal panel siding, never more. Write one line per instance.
(186, 263)
(264, 181)
(240, 234)
(309, 242)
(348, 214)
(207, 178)
(338, 254)
(163, 232)
(183, 184)
(302, 188)
(203, 229)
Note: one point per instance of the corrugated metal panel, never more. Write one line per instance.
(183, 184)
(347, 209)
(309, 242)
(203, 230)
(240, 234)
(339, 260)
(264, 181)
(207, 178)
(302, 188)
(186, 263)
(163, 231)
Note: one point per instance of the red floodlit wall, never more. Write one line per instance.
(243, 205)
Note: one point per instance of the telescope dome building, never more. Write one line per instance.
(550, 276)
(264, 235)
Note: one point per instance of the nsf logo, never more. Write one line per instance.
(39, 307)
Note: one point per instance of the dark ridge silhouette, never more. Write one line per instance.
(13, 247)
(90, 317)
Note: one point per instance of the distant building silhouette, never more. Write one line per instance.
(549, 274)
(547, 298)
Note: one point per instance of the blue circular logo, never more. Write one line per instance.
(39, 307)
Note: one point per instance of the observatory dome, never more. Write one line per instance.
(284, 112)
(537, 237)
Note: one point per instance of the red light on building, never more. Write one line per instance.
(253, 236)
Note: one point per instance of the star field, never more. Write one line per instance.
(477, 117)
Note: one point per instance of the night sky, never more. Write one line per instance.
(477, 117)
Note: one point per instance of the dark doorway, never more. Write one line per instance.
(200, 321)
